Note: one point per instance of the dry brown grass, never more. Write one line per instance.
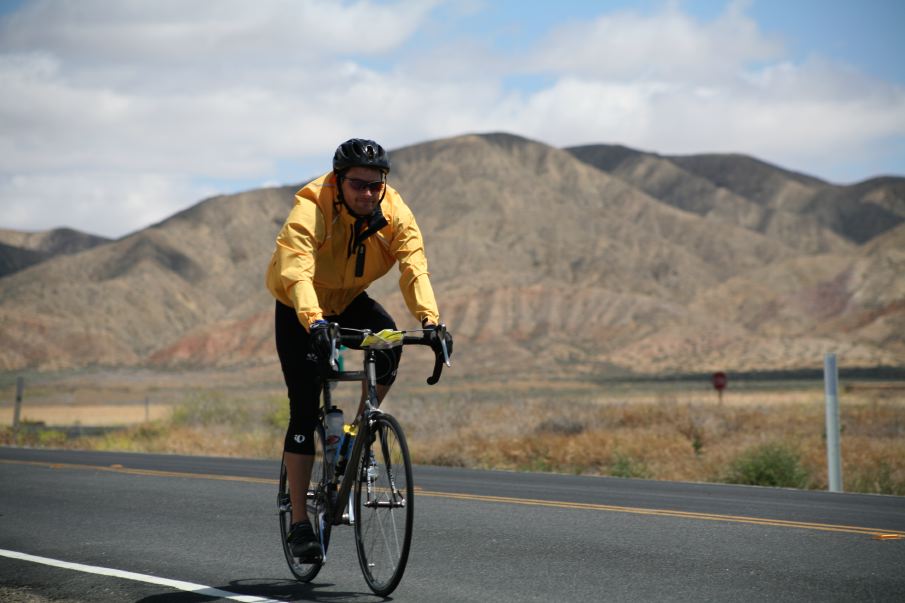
(670, 431)
(671, 441)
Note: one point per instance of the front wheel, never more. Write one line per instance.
(317, 506)
(384, 501)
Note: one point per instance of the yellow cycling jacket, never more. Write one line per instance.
(313, 268)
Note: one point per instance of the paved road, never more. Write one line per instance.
(210, 523)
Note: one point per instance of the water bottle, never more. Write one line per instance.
(334, 433)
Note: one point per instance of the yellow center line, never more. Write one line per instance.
(878, 534)
(150, 472)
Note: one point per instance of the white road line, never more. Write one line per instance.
(105, 571)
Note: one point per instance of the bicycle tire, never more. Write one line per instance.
(384, 503)
(317, 508)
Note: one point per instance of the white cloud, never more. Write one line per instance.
(108, 203)
(136, 100)
(130, 105)
(665, 46)
(805, 114)
(667, 83)
(227, 32)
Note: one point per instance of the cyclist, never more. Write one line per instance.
(347, 229)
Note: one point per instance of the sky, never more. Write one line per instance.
(115, 114)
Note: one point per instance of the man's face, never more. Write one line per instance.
(362, 189)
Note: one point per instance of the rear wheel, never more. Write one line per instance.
(384, 499)
(317, 506)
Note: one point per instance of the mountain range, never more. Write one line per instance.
(19, 250)
(584, 261)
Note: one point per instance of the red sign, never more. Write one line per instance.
(719, 381)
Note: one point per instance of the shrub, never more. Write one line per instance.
(622, 465)
(879, 478)
(51, 438)
(33, 433)
(212, 408)
(561, 425)
(770, 464)
(277, 413)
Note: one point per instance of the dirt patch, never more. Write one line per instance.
(101, 415)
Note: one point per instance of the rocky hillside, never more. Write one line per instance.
(592, 260)
(19, 250)
(805, 213)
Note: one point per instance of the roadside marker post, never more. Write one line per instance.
(720, 381)
(17, 410)
(833, 452)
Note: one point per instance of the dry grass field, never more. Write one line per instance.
(770, 433)
(673, 431)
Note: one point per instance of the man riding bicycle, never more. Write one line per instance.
(346, 230)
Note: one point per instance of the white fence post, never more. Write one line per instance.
(833, 454)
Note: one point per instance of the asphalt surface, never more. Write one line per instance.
(479, 535)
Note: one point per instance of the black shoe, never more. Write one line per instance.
(303, 543)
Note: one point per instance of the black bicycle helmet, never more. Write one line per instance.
(360, 152)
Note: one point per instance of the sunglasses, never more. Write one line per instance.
(359, 185)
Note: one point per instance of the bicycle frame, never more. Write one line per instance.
(369, 377)
(351, 469)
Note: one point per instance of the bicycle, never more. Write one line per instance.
(375, 469)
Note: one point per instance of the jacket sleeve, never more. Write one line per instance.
(296, 256)
(414, 279)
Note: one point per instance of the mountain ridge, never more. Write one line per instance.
(739, 189)
(21, 249)
(541, 262)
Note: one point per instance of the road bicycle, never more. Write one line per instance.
(367, 482)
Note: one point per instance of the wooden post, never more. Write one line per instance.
(17, 410)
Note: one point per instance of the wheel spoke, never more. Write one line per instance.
(315, 502)
(383, 532)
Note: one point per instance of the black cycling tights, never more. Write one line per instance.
(300, 372)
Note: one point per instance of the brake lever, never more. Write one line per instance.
(441, 333)
(334, 335)
(439, 361)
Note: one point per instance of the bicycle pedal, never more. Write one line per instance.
(284, 505)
